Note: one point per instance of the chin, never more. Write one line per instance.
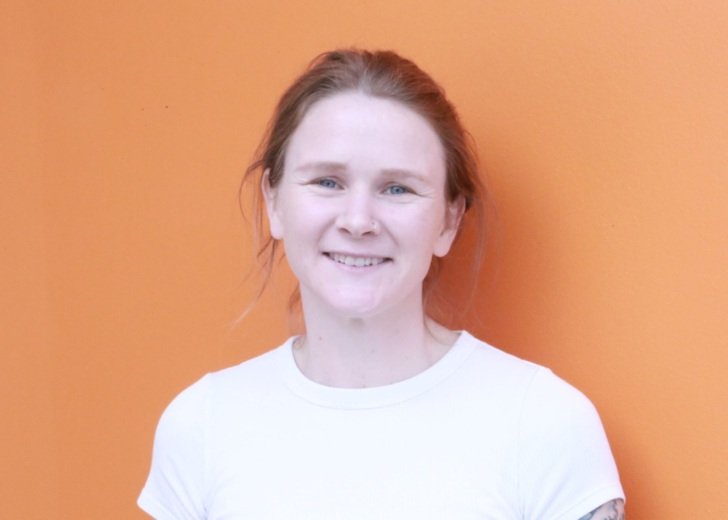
(355, 302)
(356, 310)
(356, 305)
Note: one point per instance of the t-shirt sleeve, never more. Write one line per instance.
(565, 467)
(175, 487)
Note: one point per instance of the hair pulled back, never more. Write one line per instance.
(383, 74)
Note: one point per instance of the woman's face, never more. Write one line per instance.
(361, 205)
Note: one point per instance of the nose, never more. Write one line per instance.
(357, 216)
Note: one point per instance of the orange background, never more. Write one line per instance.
(603, 128)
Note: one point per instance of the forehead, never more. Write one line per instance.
(364, 131)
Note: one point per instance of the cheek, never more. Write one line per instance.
(421, 236)
(303, 222)
(429, 225)
(439, 239)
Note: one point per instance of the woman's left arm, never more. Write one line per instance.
(612, 510)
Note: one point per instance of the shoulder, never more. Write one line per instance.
(549, 395)
(537, 385)
(221, 388)
(563, 461)
(505, 376)
(550, 410)
(189, 428)
(252, 372)
(483, 356)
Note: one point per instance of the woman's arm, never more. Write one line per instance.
(612, 510)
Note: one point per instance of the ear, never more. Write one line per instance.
(270, 196)
(453, 216)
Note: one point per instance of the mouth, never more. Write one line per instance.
(357, 261)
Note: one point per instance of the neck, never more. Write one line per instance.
(373, 351)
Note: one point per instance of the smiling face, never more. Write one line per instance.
(361, 205)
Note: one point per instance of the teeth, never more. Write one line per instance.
(356, 261)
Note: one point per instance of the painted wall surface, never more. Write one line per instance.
(602, 128)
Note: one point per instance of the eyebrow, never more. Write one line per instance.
(337, 167)
(325, 166)
(401, 172)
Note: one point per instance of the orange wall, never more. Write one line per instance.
(126, 126)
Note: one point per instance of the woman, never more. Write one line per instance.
(377, 411)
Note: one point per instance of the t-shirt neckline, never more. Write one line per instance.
(374, 397)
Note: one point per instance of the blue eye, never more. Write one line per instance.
(327, 183)
(397, 189)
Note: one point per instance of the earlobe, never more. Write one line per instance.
(269, 196)
(453, 216)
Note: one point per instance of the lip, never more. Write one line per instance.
(356, 260)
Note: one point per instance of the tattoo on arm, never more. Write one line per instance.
(613, 510)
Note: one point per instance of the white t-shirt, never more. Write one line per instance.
(479, 435)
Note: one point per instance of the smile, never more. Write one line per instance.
(356, 261)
